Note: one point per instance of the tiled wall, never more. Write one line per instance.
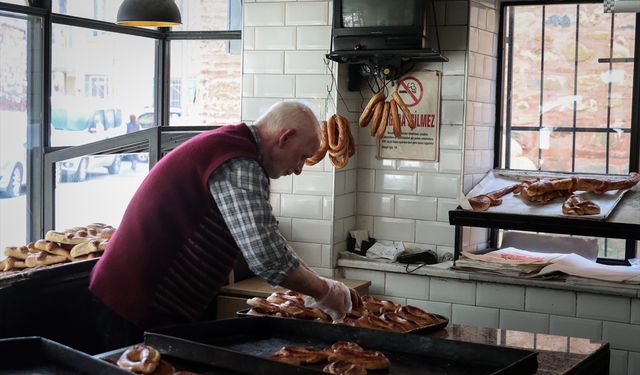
(405, 200)
(481, 105)
(284, 47)
(614, 319)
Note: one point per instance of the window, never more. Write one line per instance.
(568, 79)
(567, 89)
(95, 85)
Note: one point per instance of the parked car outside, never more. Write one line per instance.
(77, 169)
(146, 119)
(13, 170)
(13, 152)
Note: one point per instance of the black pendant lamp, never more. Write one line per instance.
(161, 13)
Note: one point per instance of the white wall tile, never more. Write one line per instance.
(483, 90)
(473, 16)
(457, 13)
(367, 158)
(450, 161)
(440, 308)
(284, 224)
(314, 37)
(452, 112)
(275, 37)
(247, 85)
(436, 233)
(524, 321)
(376, 278)
(274, 86)
(302, 206)
(319, 183)
(482, 18)
(491, 21)
(311, 253)
(316, 231)
(475, 316)
(597, 306)
(327, 260)
(339, 182)
(485, 42)
(345, 205)
(366, 179)
(415, 207)
(312, 85)
(453, 38)
(248, 37)
(575, 327)
(438, 185)
(444, 206)
(395, 182)
(618, 363)
(634, 363)
(365, 223)
(252, 108)
(327, 208)
(635, 311)
(265, 14)
(392, 229)
(482, 138)
(374, 204)
(307, 13)
(552, 301)
(418, 166)
(351, 181)
(304, 62)
(282, 184)
(263, 62)
(500, 296)
(274, 200)
(454, 291)
(408, 286)
(621, 336)
(456, 64)
(451, 136)
(453, 87)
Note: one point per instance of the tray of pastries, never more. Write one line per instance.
(373, 313)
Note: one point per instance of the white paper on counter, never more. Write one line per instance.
(514, 204)
(575, 265)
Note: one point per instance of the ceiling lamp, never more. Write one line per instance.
(161, 13)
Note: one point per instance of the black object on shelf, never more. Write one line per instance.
(244, 345)
(424, 257)
(351, 245)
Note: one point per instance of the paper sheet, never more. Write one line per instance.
(514, 204)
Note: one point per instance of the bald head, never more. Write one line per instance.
(289, 133)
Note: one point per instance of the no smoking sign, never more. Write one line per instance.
(410, 90)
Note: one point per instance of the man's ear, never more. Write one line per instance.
(286, 136)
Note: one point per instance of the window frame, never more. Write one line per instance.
(502, 150)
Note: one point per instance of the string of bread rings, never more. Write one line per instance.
(337, 140)
(378, 112)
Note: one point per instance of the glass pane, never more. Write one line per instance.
(210, 15)
(14, 140)
(524, 150)
(98, 80)
(619, 146)
(206, 81)
(102, 10)
(614, 249)
(19, 2)
(527, 57)
(556, 149)
(559, 65)
(107, 181)
(591, 152)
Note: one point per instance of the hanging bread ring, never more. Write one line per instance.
(339, 161)
(336, 124)
(319, 155)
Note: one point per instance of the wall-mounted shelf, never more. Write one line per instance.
(364, 56)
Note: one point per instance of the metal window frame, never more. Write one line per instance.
(504, 150)
(42, 157)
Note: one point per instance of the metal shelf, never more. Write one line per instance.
(364, 56)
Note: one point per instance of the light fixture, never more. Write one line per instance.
(161, 13)
(621, 6)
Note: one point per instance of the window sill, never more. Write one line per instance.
(442, 270)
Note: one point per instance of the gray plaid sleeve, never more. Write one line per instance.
(241, 190)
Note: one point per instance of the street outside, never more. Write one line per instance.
(101, 198)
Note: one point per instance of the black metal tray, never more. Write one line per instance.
(244, 345)
(422, 330)
(37, 355)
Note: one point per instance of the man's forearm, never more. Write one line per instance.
(303, 280)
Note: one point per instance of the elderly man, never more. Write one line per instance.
(201, 207)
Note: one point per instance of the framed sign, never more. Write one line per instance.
(420, 91)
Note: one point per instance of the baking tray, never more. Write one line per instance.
(420, 331)
(37, 355)
(244, 345)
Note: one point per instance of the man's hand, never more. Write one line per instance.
(337, 302)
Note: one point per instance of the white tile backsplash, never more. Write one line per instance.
(596, 306)
(377, 278)
(418, 166)
(500, 296)
(551, 301)
(475, 316)
(304, 62)
(440, 308)
(312, 85)
(311, 253)
(263, 62)
(395, 182)
(247, 85)
(302, 206)
(618, 363)
(275, 38)
(345, 205)
(438, 185)
(408, 286)
(392, 229)
(415, 207)
(453, 87)
(319, 183)
(284, 224)
(248, 38)
(315, 231)
(454, 291)
(635, 311)
(444, 206)
(524, 321)
(307, 13)
(436, 233)
(575, 327)
(374, 204)
(327, 208)
(274, 85)
(274, 200)
(621, 336)
(252, 108)
(456, 64)
(264, 14)
(457, 12)
(452, 112)
(314, 37)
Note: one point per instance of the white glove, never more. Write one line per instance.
(337, 301)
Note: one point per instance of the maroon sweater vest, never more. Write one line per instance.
(173, 251)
